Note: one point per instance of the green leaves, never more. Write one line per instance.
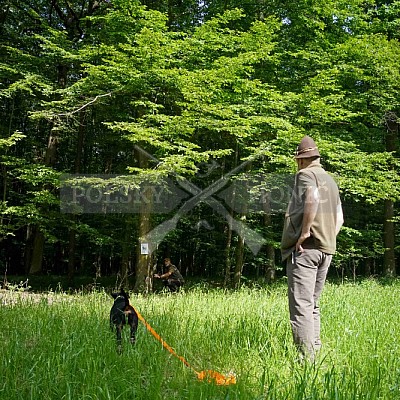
(11, 140)
(210, 86)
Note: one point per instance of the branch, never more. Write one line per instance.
(85, 105)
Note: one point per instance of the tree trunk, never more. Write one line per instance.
(71, 254)
(228, 266)
(270, 268)
(39, 239)
(36, 258)
(389, 262)
(239, 253)
(239, 259)
(367, 267)
(49, 160)
(144, 275)
(77, 170)
(144, 268)
(126, 253)
(28, 248)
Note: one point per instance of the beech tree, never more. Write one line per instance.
(190, 93)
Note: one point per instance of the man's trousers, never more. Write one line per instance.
(306, 272)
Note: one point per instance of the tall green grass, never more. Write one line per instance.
(57, 346)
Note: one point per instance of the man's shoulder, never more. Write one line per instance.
(314, 172)
(307, 176)
(313, 169)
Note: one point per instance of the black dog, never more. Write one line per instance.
(120, 310)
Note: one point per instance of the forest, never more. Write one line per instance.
(135, 130)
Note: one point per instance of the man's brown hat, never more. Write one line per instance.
(307, 148)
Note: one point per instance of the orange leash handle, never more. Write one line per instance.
(163, 342)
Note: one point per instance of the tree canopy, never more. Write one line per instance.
(194, 99)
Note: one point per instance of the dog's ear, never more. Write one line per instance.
(126, 295)
(114, 295)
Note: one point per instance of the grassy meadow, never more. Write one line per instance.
(59, 346)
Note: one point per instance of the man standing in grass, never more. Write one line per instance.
(312, 222)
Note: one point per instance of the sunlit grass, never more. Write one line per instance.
(60, 347)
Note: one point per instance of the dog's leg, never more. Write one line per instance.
(133, 322)
(119, 338)
(134, 325)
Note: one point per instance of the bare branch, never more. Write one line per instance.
(85, 105)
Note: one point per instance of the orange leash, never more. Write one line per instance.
(209, 375)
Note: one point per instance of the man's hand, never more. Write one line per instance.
(300, 241)
(157, 276)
